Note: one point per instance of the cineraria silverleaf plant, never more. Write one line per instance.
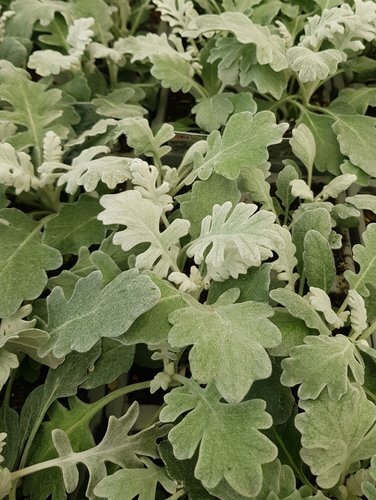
(197, 324)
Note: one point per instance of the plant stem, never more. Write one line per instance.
(368, 332)
(177, 495)
(94, 408)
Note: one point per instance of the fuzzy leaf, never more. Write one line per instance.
(22, 254)
(286, 262)
(16, 169)
(320, 301)
(312, 66)
(213, 112)
(269, 48)
(116, 447)
(177, 14)
(115, 360)
(34, 108)
(75, 226)
(363, 202)
(143, 141)
(356, 136)
(300, 308)
(319, 265)
(288, 174)
(130, 483)
(143, 329)
(96, 312)
(293, 331)
(211, 425)
(326, 448)
(86, 171)
(244, 143)
(328, 155)
(358, 315)
(300, 188)
(204, 195)
(254, 182)
(303, 145)
(116, 105)
(238, 333)
(145, 179)
(323, 362)
(237, 240)
(173, 71)
(366, 258)
(337, 186)
(142, 220)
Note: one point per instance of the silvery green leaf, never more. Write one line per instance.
(236, 240)
(145, 179)
(300, 188)
(143, 329)
(8, 361)
(34, 108)
(238, 332)
(269, 48)
(332, 21)
(312, 66)
(117, 447)
(102, 14)
(358, 314)
(52, 150)
(359, 99)
(300, 308)
(130, 483)
(17, 170)
(100, 51)
(323, 362)
(22, 254)
(173, 71)
(143, 47)
(252, 180)
(244, 143)
(278, 482)
(99, 128)
(87, 171)
(115, 360)
(96, 311)
(202, 198)
(243, 101)
(326, 448)
(210, 425)
(80, 35)
(293, 331)
(75, 226)
(318, 259)
(143, 141)
(51, 62)
(27, 14)
(356, 136)
(286, 262)
(342, 211)
(317, 219)
(366, 258)
(5, 482)
(120, 104)
(142, 218)
(213, 112)
(303, 146)
(178, 14)
(288, 174)
(328, 155)
(363, 202)
(320, 301)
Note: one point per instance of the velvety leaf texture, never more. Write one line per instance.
(323, 362)
(95, 311)
(22, 254)
(225, 433)
(224, 337)
(337, 433)
(366, 258)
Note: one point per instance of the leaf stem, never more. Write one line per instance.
(368, 332)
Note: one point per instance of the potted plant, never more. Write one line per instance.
(187, 325)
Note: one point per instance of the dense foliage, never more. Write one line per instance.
(192, 324)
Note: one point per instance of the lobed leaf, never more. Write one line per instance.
(224, 337)
(210, 425)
